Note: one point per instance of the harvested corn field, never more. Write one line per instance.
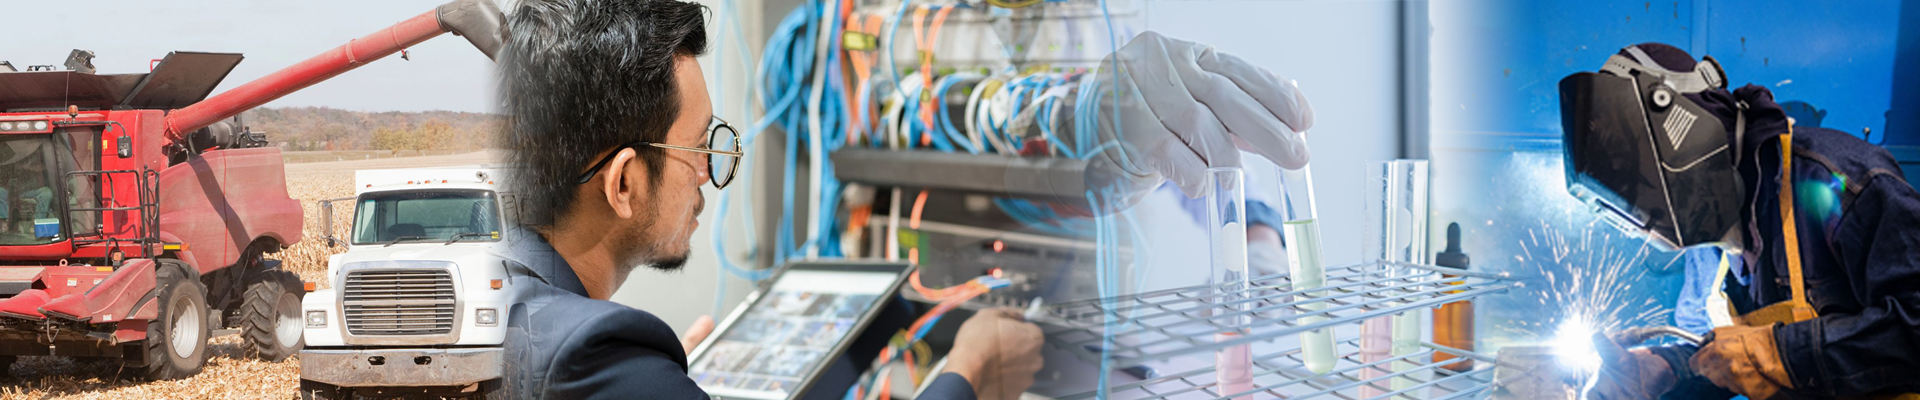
(230, 372)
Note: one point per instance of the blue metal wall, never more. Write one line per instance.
(1853, 66)
(1496, 65)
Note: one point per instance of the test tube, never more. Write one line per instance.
(1227, 231)
(1400, 188)
(1302, 233)
(1376, 343)
(1376, 334)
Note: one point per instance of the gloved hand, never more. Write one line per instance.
(1629, 374)
(1265, 254)
(1743, 359)
(1182, 108)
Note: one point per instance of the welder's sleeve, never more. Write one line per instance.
(1878, 348)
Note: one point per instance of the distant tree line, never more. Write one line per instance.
(322, 128)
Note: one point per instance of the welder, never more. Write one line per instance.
(1819, 240)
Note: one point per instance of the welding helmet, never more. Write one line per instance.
(1644, 154)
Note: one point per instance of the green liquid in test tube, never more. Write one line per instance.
(1302, 231)
(1404, 221)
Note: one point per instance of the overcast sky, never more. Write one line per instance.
(446, 73)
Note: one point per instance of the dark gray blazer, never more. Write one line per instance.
(563, 345)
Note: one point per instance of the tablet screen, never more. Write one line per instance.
(788, 332)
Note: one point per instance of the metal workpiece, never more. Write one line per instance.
(1175, 332)
(402, 367)
(1534, 373)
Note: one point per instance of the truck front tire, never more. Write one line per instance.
(176, 343)
(270, 314)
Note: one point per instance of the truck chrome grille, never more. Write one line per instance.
(399, 302)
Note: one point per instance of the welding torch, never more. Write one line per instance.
(1633, 336)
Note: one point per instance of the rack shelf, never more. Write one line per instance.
(1176, 329)
(1051, 178)
(1280, 375)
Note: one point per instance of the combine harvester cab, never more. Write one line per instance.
(418, 302)
(135, 211)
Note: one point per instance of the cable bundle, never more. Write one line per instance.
(815, 80)
(904, 343)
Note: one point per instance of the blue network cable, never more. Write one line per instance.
(785, 78)
(786, 69)
(1044, 118)
(893, 27)
(833, 136)
(946, 118)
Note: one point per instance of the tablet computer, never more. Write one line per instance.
(781, 338)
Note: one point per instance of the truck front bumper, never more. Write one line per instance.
(401, 367)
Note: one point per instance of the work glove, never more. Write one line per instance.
(1628, 374)
(1181, 108)
(1743, 359)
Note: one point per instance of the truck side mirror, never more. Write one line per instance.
(124, 146)
(326, 223)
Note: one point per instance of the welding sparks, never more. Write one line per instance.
(1588, 276)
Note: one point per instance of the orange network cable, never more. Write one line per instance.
(926, 42)
(906, 339)
(913, 222)
(862, 42)
(942, 294)
(857, 219)
(847, 26)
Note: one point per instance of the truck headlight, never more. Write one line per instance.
(316, 318)
(486, 317)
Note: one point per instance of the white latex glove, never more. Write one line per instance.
(1265, 255)
(1182, 108)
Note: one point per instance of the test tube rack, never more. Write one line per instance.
(1160, 327)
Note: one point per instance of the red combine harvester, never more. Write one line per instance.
(134, 214)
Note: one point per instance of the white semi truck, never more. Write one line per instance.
(417, 304)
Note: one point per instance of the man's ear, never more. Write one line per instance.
(614, 184)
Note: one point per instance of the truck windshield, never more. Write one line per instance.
(29, 214)
(422, 216)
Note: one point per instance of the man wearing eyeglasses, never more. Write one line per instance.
(613, 133)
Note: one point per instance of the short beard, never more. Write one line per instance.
(640, 250)
(646, 250)
(639, 258)
(670, 264)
